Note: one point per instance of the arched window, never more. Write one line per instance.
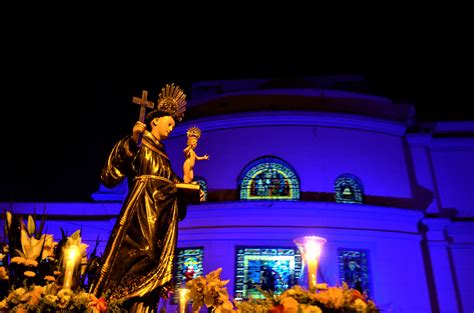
(189, 265)
(269, 178)
(201, 181)
(348, 189)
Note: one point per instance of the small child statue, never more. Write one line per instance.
(193, 134)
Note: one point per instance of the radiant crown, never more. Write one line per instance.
(172, 101)
(194, 131)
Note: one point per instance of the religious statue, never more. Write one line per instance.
(137, 265)
(193, 134)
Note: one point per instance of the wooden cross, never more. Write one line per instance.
(144, 103)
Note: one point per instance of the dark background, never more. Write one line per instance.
(67, 98)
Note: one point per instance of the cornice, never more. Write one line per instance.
(292, 118)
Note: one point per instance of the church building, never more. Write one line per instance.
(315, 156)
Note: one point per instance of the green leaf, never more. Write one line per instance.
(31, 225)
(42, 223)
(20, 253)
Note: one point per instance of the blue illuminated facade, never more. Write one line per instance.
(394, 203)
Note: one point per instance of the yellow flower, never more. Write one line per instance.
(38, 290)
(50, 299)
(19, 292)
(3, 304)
(64, 296)
(3, 273)
(34, 296)
(333, 297)
(290, 305)
(359, 305)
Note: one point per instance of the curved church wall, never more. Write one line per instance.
(318, 153)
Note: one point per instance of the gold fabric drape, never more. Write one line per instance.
(140, 252)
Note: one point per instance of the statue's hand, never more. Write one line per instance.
(206, 157)
(139, 128)
(164, 291)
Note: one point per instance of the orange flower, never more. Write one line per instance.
(290, 305)
(18, 260)
(33, 298)
(357, 295)
(99, 304)
(29, 274)
(49, 278)
(21, 309)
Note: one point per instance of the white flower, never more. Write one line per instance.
(210, 291)
(33, 248)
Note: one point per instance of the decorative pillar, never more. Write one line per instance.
(442, 284)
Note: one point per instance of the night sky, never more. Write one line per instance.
(64, 105)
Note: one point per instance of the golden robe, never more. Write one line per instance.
(140, 253)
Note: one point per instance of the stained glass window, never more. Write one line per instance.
(269, 268)
(354, 269)
(188, 266)
(201, 181)
(269, 178)
(348, 189)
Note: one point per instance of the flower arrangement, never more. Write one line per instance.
(45, 299)
(210, 291)
(325, 299)
(38, 274)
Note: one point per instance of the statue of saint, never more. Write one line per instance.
(137, 265)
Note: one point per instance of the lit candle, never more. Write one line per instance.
(310, 248)
(183, 299)
(72, 257)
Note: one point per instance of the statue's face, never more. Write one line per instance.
(161, 127)
(192, 141)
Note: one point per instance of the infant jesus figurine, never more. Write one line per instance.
(193, 134)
